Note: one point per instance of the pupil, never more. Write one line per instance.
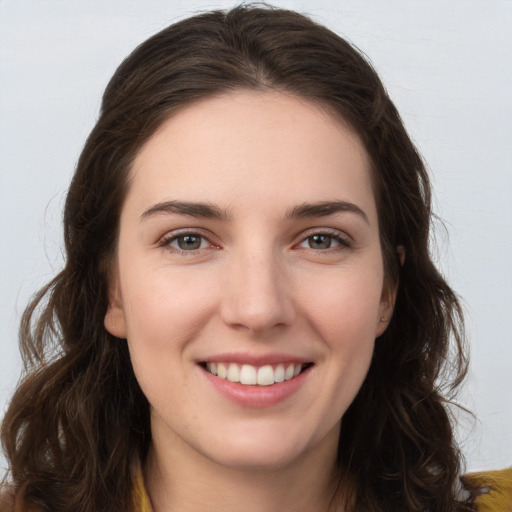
(320, 241)
(189, 242)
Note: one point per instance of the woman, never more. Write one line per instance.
(248, 315)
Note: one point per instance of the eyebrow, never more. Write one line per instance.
(326, 208)
(193, 209)
(211, 211)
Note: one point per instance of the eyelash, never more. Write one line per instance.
(342, 241)
(168, 240)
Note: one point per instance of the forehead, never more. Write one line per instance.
(259, 144)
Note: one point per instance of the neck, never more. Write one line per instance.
(180, 479)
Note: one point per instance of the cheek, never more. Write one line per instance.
(163, 305)
(344, 316)
(344, 305)
(165, 311)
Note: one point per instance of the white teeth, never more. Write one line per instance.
(250, 375)
(288, 374)
(265, 376)
(279, 373)
(222, 371)
(233, 373)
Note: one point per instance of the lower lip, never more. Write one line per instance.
(257, 396)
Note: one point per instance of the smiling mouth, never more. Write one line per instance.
(250, 375)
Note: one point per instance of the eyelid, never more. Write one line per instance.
(166, 240)
(345, 240)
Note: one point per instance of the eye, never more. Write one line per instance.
(186, 242)
(324, 241)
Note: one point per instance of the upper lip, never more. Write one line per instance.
(255, 359)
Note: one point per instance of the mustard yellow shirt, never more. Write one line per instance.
(491, 491)
(140, 496)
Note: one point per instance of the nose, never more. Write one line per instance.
(258, 296)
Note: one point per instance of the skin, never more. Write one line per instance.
(257, 284)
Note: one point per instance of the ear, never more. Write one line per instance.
(388, 298)
(115, 322)
(385, 311)
(400, 250)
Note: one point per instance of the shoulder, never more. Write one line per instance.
(490, 491)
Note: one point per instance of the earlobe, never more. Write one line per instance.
(386, 308)
(387, 304)
(114, 321)
(400, 250)
(385, 312)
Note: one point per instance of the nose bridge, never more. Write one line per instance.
(257, 295)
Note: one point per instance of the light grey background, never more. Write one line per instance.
(447, 65)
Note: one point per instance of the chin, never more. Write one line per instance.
(269, 449)
(256, 459)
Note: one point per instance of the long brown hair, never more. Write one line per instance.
(78, 423)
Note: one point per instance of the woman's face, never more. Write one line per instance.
(250, 278)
